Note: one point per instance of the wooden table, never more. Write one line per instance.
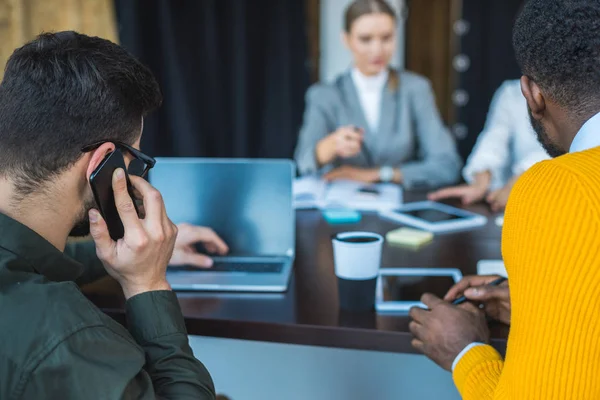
(308, 312)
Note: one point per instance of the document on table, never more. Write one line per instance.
(313, 192)
(491, 267)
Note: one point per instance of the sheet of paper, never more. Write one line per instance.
(359, 196)
(491, 267)
(311, 192)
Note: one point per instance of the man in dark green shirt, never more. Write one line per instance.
(61, 93)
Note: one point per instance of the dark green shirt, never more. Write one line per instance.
(55, 344)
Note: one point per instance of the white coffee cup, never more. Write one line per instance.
(357, 255)
(357, 259)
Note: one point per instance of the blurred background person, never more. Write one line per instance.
(373, 123)
(505, 149)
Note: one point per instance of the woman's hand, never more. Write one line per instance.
(499, 198)
(346, 142)
(468, 194)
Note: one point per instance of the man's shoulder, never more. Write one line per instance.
(39, 315)
(573, 175)
(57, 304)
(49, 328)
(581, 161)
(583, 166)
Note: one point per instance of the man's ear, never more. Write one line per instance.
(98, 156)
(534, 96)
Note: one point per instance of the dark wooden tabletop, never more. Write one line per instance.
(308, 312)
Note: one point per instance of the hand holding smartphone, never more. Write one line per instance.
(138, 260)
(101, 184)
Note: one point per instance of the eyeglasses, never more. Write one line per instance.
(139, 166)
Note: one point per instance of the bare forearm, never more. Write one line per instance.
(325, 152)
(483, 179)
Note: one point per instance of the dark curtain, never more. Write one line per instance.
(488, 44)
(233, 74)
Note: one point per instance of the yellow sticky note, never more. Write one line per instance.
(408, 237)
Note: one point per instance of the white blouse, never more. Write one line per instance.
(508, 145)
(370, 91)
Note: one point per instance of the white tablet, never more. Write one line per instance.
(435, 217)
(400, 289)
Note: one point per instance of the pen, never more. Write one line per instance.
(365, 150)
(367, 154)
(463, 299)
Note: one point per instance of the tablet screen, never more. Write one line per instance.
(432, 215)
(411, 288)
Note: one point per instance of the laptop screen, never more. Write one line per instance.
(247, 202)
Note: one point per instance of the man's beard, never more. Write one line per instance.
(82, 224)
(552, 149)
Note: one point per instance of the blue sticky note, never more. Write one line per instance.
(335, 217)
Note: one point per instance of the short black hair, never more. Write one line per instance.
(557, 44)
(61, 92)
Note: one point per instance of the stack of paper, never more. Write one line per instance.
(313, 192)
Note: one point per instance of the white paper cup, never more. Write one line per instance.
(357, 259)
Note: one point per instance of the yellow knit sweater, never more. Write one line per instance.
(551, 248)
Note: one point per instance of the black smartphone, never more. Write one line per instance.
(101, 183)
(369, 190)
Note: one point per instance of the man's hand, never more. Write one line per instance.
(444, 330)
(185, 253)
(139, 260)
(495, 299)
(354, 174)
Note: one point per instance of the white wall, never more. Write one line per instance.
(245, 370)
(334, 56)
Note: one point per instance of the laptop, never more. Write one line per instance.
(248, 202)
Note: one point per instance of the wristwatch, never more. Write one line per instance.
(386, 174)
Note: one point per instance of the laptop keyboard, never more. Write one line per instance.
(254, 267)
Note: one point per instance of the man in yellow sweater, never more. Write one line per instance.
(551, 237)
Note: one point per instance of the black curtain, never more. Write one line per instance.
(233, 74)
(488, 44)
